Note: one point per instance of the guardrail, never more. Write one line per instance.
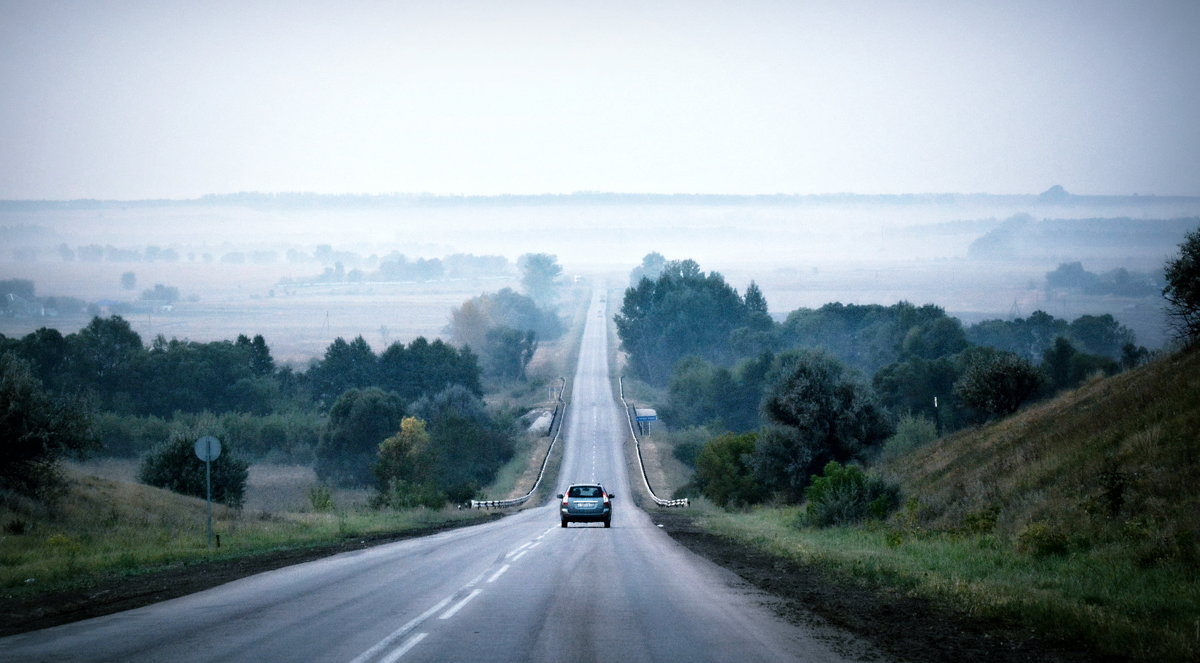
(638, 446)
(560, 410)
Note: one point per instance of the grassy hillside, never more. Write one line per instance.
(1076, 519)
(1115, 462)
(102, 527)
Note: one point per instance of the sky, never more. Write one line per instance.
(172, 99)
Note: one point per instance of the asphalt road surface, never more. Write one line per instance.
(517, 589)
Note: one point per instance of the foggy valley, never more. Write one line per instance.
(255, 263)
(537, 331)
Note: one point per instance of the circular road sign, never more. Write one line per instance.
(208, 448)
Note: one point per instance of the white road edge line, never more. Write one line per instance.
(459, 606)
(395, 635)
(476, 580)
(412, 642)
(520, 555)
(499, 573)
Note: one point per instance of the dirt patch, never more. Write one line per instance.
(107, 595)
(908, 628)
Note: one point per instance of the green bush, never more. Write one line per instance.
(1041, 540)
(845, 494)
(912, 433)
(174, 465)
(722, 472)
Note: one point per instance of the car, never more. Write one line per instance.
(586, 503)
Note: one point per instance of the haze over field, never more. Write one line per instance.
(185, 106)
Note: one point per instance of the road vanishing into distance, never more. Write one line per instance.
(517, 589)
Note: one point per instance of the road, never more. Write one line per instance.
(517, 589)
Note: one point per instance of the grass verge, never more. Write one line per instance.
(1098, 599)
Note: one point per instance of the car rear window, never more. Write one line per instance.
(585, 491)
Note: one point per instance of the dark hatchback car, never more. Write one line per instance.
(586, 503)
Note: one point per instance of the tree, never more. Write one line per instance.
(128, 280)
(161, 293)
(345, 366)
(358, 421)
(1182, 291)
(834, 412)
(509, 351)
(173, 465)
(684, 312)
(37, 430)
(103, 356)
(999, 384)
(401, 456)
(539, 277)
(652, 265)
(468, 444)
(723, 471)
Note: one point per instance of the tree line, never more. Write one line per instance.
(779, 401)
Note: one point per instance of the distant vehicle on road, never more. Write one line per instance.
(586, 503)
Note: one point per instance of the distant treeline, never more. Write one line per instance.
(714, 349)
(302, 200)
(1021, 236)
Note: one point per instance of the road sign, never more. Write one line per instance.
(208, 448)
(645, 414)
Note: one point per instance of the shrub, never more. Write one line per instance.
(912, 433)
(845, 494)
(1041, 540)
(321, 498)
(723, 473)
(173, 465)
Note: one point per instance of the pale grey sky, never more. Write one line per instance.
(126, 100)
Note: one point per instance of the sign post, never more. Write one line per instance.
(208, 448)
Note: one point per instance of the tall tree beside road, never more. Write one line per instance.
(683, 312)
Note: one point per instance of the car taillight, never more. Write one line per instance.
(606, 499)
(564, 500)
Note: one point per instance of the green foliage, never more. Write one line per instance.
(684, 312)
(405, 455)
(509, 351)
(723, 472)
(869, 337)
(37, 430)
(1182, 292)
(700, 393)
(345, 366)
(358, 422)
(1042, 540)
(999, 384)
(320, 497)
(174, 465)
(845, 494)
(467, 444)
(912, 432)
(424, 368)
(1031, 337)
(838, 415)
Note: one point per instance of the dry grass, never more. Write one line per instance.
(1114, 450)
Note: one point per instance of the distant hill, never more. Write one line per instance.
(1115, 462)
